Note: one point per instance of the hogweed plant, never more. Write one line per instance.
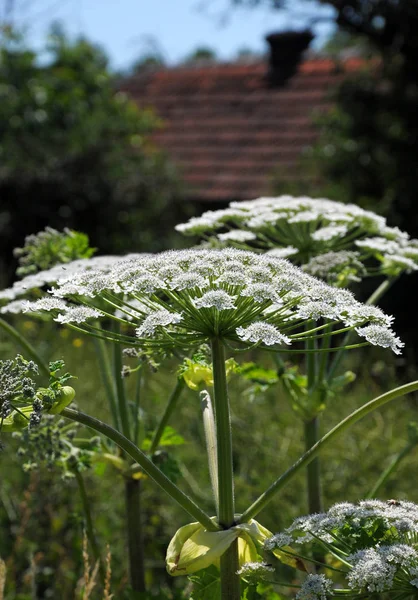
(232, 300)
(341, 244)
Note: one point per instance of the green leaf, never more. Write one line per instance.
(206, 584)
(257, 374)
(170, 437)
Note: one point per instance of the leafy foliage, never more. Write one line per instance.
(49, 247)
(76, 154)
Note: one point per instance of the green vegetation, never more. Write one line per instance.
(76, 154)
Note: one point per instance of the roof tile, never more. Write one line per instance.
(228, 130)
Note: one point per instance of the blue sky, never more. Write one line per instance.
(128, 28)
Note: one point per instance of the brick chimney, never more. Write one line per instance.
(286, 50)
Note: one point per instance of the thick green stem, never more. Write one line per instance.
(390, 469)
(107, 379)
(147, 465)
(135, 535)
(137, 421)
(313, 469)
(91, 536)
(29, 350)
(171, 405)
(230, 581)
(329, 437)
(123, 409)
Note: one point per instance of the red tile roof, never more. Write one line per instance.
(228, 130)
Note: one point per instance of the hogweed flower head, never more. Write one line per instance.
(181, 299)
(375, 541)
(303, 228)
(31, 284)
(315, 587)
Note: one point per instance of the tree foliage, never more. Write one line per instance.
(75, 153)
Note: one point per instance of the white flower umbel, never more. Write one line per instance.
(58, 273)
(381, 336)
(187, 297)
(336, 267)
(237, 236)
(400, 517)
(374, 541)
(303, 228)
(376, 569)
(315, 587)
(255, 571)
(262, 332)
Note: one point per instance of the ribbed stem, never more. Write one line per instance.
(135, 535)
(171, 405)
(123, 409)
(230, 581)
(147, 465)
(29, 350)
(389, 470)
(107, 379)
(329, 437)
(313, 477)
(91, 536)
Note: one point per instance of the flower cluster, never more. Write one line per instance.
(302, 228)
(52, 445)
(16, 384)
(181, 299)
(22, 402)
(315, 587)
(374, 541)
(34, 282)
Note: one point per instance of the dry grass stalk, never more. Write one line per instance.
(106, 593)
(90, 575)
(3, 571)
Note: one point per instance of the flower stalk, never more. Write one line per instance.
(147, 465)
(230, 581)
(135, 535)
(264, 499)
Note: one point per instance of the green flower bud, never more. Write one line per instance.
(64, 397)
(194, 548)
